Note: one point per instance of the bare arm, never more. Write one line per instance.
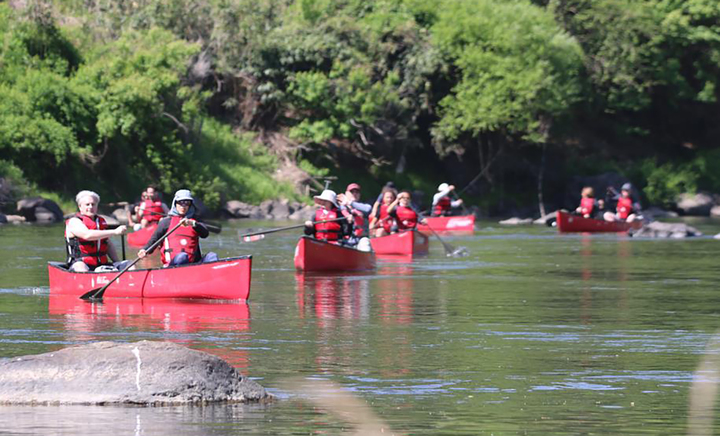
(77, 229)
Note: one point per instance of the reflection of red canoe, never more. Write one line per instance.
(412, 242)
(226, 279)
(567, 223)
(160, 313)
(314, 255)
(140, 237)
(465, 223)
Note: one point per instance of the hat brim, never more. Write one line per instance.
(317, 197)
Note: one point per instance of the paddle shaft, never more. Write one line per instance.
(280, 229)
(98, 294)
(122, 244)
(210, 227)
(448, 248)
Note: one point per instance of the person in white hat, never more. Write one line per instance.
(183, 245)
(442, 205)
(330, 224)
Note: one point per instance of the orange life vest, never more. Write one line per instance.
(586, 206)
(92, 253)
(406, 218)
(183, 240)
(327, 231)
(443, 207)
(624, 207)
(153, 211)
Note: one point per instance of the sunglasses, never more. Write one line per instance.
(184, 202)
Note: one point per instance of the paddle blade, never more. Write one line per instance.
(90, 294)
(459, 252)
(252, 238)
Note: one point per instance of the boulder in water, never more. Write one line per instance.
(144, 373)
(516, 221)
(695, 204)
(38, 209)
(666, 230)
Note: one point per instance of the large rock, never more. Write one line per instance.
(547, 219)
(238, 209)
(652, 213)
(516, 221)
(15, 219)
(715, 211)
(121, 215)
(38, 209)
(146, 373)
(695, 204)
(666, 230)
(304, 213)
(281, 209)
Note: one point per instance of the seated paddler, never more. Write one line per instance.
(87, 237)
(331, 223)
(405, 215)
(183, 245)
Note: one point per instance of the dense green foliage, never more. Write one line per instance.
(386, 86)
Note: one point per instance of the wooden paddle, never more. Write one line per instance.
(211, 228)
(450, 251)
(256, 236)
(97, 294)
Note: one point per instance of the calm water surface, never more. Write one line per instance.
(532, 333)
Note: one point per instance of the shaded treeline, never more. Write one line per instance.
(218, 94)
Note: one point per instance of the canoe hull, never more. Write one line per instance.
(408, 243)
(314, 255)
(226, 279)
(448, 224)
(567, 223)
(140, 237)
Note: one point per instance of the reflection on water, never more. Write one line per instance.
(533, 333)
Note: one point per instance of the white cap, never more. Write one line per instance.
(443, 187)
(327, 195)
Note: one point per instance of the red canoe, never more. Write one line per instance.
(464, 224)
(314, 255)
(567, 223)
(140, 237)
(412, 242)
(226, 279)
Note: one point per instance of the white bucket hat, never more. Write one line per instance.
(442, 187)
(327, 195)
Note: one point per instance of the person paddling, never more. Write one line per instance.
(359, 210)
(442, 205)
(404, 213)
(87, 238)
(333, 231)
(626, 210)
(182, 246)
(382, 223)
(151, 209)
(587, 202)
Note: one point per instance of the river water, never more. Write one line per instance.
(532, 333)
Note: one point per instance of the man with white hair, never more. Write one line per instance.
(442, 205)
(87, 237)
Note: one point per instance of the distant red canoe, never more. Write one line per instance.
(461, 224)
(226, 279)
(412, 242)
(567, 223)
(140, 237)
(314, 255)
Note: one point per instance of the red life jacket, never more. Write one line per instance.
(92, 253)
(624, 207)
(406, 217)
(359, 221)
(586, 206)
(153, 211)
(386, 221)
(183, 240)
(327, 231)
(442, 207)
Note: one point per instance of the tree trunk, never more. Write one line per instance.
(541, 173)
